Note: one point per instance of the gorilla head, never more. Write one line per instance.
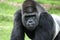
(30, 16)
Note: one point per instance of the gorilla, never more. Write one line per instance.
(35, 21)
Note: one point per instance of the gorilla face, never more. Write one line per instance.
(30, 21)
(30, 17)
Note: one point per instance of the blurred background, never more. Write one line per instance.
(9, 7)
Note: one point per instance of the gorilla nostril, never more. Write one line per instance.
(30, 21)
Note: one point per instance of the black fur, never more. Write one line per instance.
(44, 31)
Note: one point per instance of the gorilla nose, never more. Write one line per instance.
(30, 21)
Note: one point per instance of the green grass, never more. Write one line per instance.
(49, 2)
(7, 9)
(6, 17)
(57, 12)
(19, 1)
(6, 13)
(5, 30)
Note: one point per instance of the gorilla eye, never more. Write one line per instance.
(30, 16)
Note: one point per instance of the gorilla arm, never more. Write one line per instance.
(17, 33)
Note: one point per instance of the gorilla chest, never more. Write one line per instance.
(30, 34)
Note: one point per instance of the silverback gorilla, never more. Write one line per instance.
(35, 21)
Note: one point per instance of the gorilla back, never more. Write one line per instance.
(35, 21)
